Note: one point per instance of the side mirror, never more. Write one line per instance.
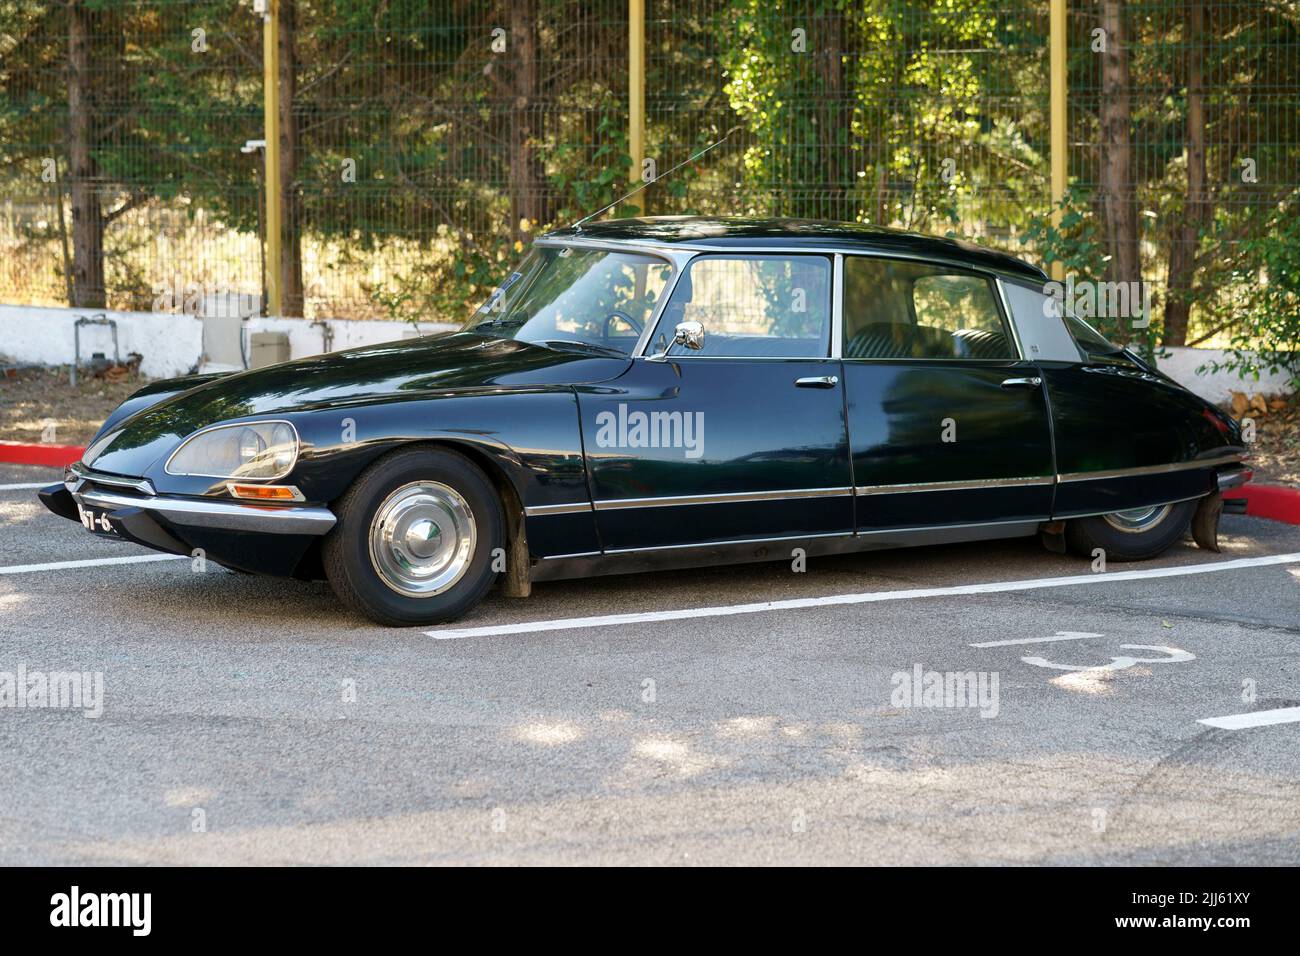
(690, 334)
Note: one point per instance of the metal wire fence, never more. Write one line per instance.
(425, 142)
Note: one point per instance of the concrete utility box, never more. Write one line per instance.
(267, 348)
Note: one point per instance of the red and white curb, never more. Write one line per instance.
(28, 453)
(1275, 502)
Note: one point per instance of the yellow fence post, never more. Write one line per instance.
(636, 91)
(271, 121)
(1058, 65)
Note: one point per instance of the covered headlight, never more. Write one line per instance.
(98, 446)
(245, 450)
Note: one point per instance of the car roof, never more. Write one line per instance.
(708, 232)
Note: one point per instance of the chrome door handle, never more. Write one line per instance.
(1032, 381)
(817, 381)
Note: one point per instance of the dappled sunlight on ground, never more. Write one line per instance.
(1082, 807)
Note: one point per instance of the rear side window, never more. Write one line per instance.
(896, 309)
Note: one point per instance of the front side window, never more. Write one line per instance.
(897, 309)
(568, 296)
(752, 307)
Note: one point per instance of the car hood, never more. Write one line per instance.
(411, 368)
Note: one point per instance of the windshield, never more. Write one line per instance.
(570, 297)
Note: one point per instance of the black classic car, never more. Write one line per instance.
(648, 393)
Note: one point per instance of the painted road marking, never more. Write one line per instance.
(1258, 718)
(1059, 636)
(28, 486)
(1173, 655)
(90, 563)
(869, 597)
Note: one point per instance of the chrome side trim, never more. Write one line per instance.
(1063, 515)
(1024, 524)
(952, 485)
(739, 541)
(614, 504)
(83, 474)
(1151, 469)
(791, 494)
(227, 515)
(567, 509)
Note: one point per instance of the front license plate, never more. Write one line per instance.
(96, 521)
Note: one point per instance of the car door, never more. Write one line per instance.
(741, 439)
(1126, 437)
(948, 425)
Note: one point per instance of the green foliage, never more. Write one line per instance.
(925, 115)
(585, 179)
(1267, 338)
(1076, 243)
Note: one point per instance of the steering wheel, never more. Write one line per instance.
(637, 327)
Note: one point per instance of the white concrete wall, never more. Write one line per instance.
(170, 343)
(1182, 363)
(306, 338)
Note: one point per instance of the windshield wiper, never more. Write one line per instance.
(579, 346)
(498, 324)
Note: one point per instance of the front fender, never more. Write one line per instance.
(532, 438)
(531, 435)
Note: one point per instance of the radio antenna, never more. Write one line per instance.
(585, 219)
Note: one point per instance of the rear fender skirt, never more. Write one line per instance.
(1103, 492)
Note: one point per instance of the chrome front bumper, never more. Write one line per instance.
(111, 493)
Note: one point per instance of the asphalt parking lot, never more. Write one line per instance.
(249, 720)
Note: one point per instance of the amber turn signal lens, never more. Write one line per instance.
(265, 492)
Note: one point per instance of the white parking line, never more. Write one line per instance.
(90, 563)
(1258, 718)
(869, 597)
(28, 486)
(1059, 636)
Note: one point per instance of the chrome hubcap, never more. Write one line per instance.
(1138, 519)
(422, 539)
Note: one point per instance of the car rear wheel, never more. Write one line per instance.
(415, 538)
(1132, 535)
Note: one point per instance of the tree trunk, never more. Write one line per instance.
(1119, 198)
(1185, 232)
(291, 291)
(87, 213)
(835, 120)
(528, 199)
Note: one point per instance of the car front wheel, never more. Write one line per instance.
(1133, 535)
(415, 538)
